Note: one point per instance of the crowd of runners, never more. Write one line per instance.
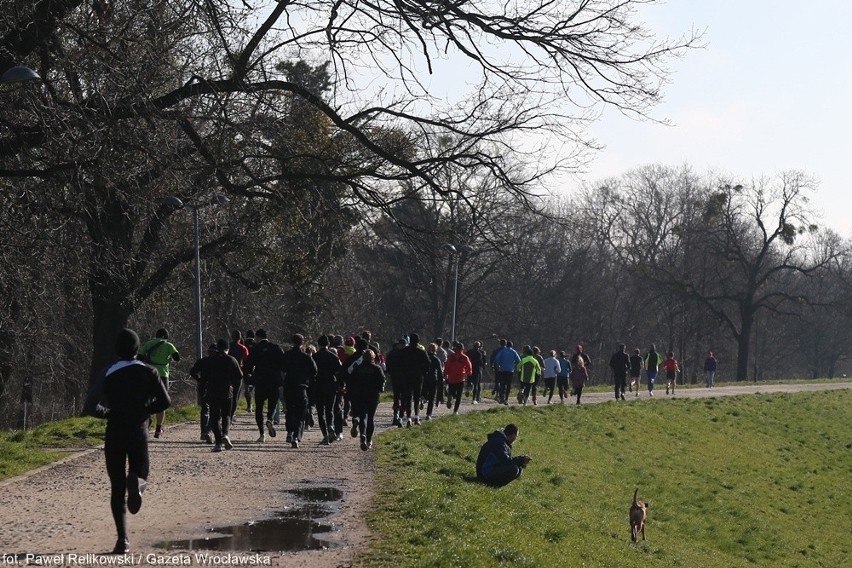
(341, 379)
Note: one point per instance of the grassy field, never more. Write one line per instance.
(21, 451)
(759, 480)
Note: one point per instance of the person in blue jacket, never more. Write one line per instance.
(505, 362)
(495, 464)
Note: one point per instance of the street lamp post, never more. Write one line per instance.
(178, 204)
(454, 251)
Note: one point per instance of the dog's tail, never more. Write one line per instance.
(635, 494)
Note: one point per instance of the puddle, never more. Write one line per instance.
(291, 530)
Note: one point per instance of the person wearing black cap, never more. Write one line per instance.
(325, 387)
(620, 365)
(413, 366)
(159, 352)
(265, 365)
(126, 394)
(299, 372)
(248, 381)
(201, 392)
(220, 372)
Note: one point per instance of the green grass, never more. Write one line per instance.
(758, 480)
(22, 451)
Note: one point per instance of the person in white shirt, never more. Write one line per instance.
(550, 370)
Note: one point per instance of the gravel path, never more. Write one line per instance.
(63, 509)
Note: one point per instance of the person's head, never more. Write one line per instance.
(310, 349)
(710, 354)
(445, 344)
(458, 346)
(579, 348)
(527, 350)
(367, 335)
(162, 333)
(552, 353)
(511, 432)
(477, 345)
(236, 335)
(653, 348)
(636, 351)
(260, 334)
(670, 354)
(509, 344)
(338, 341)
(401, 342)
(439, 340)
(369, 356)
(322, 341)
(536, 350)
(361, 344)
(622, 347)
(502, 343)
(126, 344)
(414, 339)
(221, 345)
(297, 340)
(249, 334)
(432, 348)
(561, 354)
(349, 342)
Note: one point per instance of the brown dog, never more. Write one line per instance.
(638, 515)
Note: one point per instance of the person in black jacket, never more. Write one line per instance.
(219, 373)
(325, 387)
(365, 385)
(620, 365)
(201, 394)
(413, 364)
(495, 464)
(265, 365)
(126, 394)
(477, 361)
(299, 371)
(434, 377)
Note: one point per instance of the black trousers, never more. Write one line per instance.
(324, 400)
(502, 475)
(475, 381)
(295, 408)
(454, 393)
(204, 408)
(220, 417)
(412, 388)
(504, 384)
(366, 408)
(236, 398)
(340, 410)
(123, 447)
(430, 387)
(264, 395)
(620, 385)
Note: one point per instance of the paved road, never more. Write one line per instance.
(64, 508)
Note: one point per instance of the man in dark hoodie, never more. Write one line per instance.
(413, 364)
(300, 370)
(495, 464)
(126, 394)
(620, 365)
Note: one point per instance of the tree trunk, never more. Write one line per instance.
(744, 344)
(110, 316)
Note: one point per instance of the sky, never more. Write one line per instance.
(770, 91)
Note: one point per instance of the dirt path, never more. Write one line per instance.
(63, 509)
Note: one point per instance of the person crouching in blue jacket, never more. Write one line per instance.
(495, 464)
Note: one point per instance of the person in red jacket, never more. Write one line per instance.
(672, 369)
(456, 370)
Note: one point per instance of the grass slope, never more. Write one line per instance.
(22, 451)
(760, 480)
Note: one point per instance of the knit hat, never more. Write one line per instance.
(127, 343)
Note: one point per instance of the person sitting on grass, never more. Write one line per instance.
(495, 465)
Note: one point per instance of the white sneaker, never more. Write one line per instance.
(475, 402)
(262, 438)
(408, 423)
(651, 393)
(226, 441)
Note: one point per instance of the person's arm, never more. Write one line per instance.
(94, 399)
(161, 400)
